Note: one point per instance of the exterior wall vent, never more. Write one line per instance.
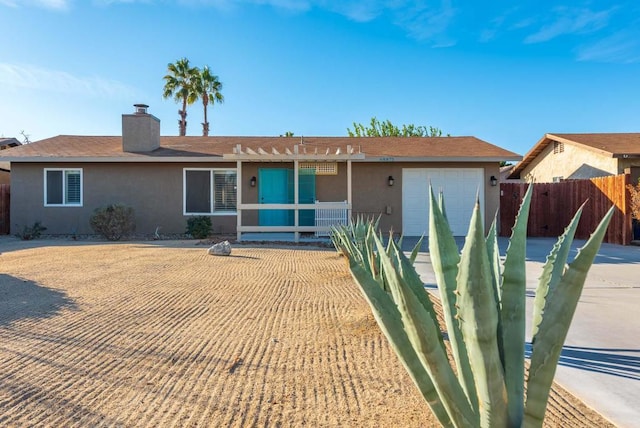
(320, 168)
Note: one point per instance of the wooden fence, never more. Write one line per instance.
(554, 204)
(5, 196)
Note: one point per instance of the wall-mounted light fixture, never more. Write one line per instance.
(493, 180)
(390, 180)
(253, 181)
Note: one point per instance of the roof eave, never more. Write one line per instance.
(442, 159)
(196, 159)
(626, 155)
(530, 155)
(603, 152)
(115, 159)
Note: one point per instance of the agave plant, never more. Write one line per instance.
(484, 309)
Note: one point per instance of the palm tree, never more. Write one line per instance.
(179, 84)
(208, 87)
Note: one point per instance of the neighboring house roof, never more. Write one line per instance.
(505, 172)
(5, 143)
(69, 148)
(614, 145)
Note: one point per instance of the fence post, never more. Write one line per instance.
(5, 203)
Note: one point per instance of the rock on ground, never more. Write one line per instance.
(220, 249)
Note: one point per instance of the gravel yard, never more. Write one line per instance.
(162, 334)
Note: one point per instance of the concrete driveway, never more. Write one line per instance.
(600, 362)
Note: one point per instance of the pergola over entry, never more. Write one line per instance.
(300, 153)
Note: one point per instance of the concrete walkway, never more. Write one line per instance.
(600, 361)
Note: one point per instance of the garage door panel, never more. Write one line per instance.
(461, 186)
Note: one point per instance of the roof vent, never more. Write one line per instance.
(141, 108)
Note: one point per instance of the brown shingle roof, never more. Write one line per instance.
(615, 144)
(95, 147)
(610, 145)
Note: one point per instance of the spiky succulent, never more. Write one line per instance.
(484, 310)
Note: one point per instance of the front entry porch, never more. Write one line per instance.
(285, 206)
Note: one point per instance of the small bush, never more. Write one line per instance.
(114, 221)
(635, 200)
(199, 227)
(28, 233)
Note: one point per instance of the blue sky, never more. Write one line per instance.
(506, 74)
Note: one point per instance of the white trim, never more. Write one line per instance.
(64, 187)
(349, 189)
(214, 214)
(327, 205)
(115, 159)
(434, 159)
(296, 229)
(239, 181)
(212, 189)
(296, 196)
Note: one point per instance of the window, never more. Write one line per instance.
(62, 187)
(209, 191)
(558, 179)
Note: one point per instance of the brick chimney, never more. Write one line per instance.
(140, 130)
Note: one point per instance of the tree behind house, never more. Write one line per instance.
(207, 86)
(179, 85)
(385, 128)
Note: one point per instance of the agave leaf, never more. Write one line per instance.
(513, 301)
(412, 280)
(552, 271)
(443, 251)
(479, 321)
(423, 334)
(376, 222)
(553, 329)
(371, 262)
(415, 251)
(338, 235)
(493, 251)
(441, 205)
(389, 319)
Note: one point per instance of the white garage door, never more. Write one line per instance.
(460, 187)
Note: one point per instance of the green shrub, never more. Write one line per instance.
(199, 227)
(114, 221)
(28, 233)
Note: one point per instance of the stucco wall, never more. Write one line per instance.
(372, 194)
(155, 191)
(371, 191)
(572, 164)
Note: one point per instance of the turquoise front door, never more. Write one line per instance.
(275, 186)
(307, 195)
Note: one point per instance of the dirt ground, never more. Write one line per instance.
(162, 334)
